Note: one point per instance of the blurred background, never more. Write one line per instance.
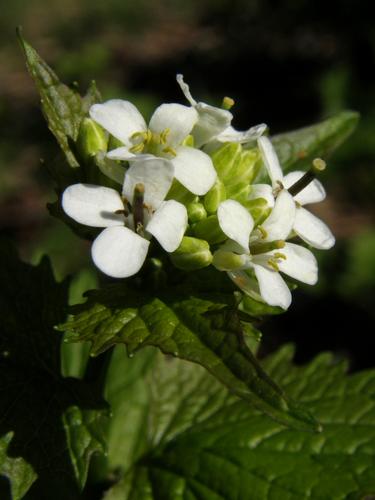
(288, 63)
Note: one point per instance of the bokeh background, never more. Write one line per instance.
(287, 63)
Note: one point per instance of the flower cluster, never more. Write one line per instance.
(187, 179)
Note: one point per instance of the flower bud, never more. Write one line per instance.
(259, 209)
(229, 261)
(196, 212)
(114, 143)
(178, 192)
(225, 159)
(214, 197)
(192, 254)
(91, 139)
(236, 168)
(209, 230)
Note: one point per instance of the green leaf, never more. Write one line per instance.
(205, 331)
(19, 473)
(49, 425)
(62, 107)
(204, 443)
(298, 148)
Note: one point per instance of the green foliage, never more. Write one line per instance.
(63, 107)
(206, 331)
(202, 442)
(298, 148)
(49, 425)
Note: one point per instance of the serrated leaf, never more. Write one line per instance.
(207, 332)
(298, 148)
(55, 423)
(62, 107)
(204, 443)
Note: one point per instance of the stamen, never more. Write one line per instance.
(318, 165)
(227, 103)
(138, 148)
(278, 188)
(273, 263)
(259, 248)
(164, 136)
(263, 232)
(279, 255)
(170, 150)
(139, 191)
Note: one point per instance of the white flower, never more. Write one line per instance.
(306, 225)
(214, 124)
(168, 128)
(119, 251)
(265, 251)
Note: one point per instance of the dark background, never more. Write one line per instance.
(288, 63)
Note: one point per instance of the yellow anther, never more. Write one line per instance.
(137, 135)
(272, 263)
(169, 150)
(164, 136)
(279, 255)
(137, 148)
(148, 136)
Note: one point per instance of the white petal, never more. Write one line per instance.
(194, 169)
(312, 230)
(120, 118)
(232, 135)
(273, 288)
(168, 224)
(122, 153)
(177, 118)
(312, 193)
(300, 263)
(270, 160)
(119, 252)
(236, 222)
(247, 283)
(279, 223)
(211, 123)
(156, 174)
(93, 205)
(185, 89)
(111, 168)
(262, 191)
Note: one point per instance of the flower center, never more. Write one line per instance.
(275, 260)
(260, 247)
(152, 143)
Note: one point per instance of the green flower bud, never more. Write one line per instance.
(225, 159)
(259, 210)
(192, 254)
(236, 168)
(228, 261)
(209, 230)
(188, 141)
(179, 193)
(196, 212)
(91, 139)
(114, 143)
(214, 197)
